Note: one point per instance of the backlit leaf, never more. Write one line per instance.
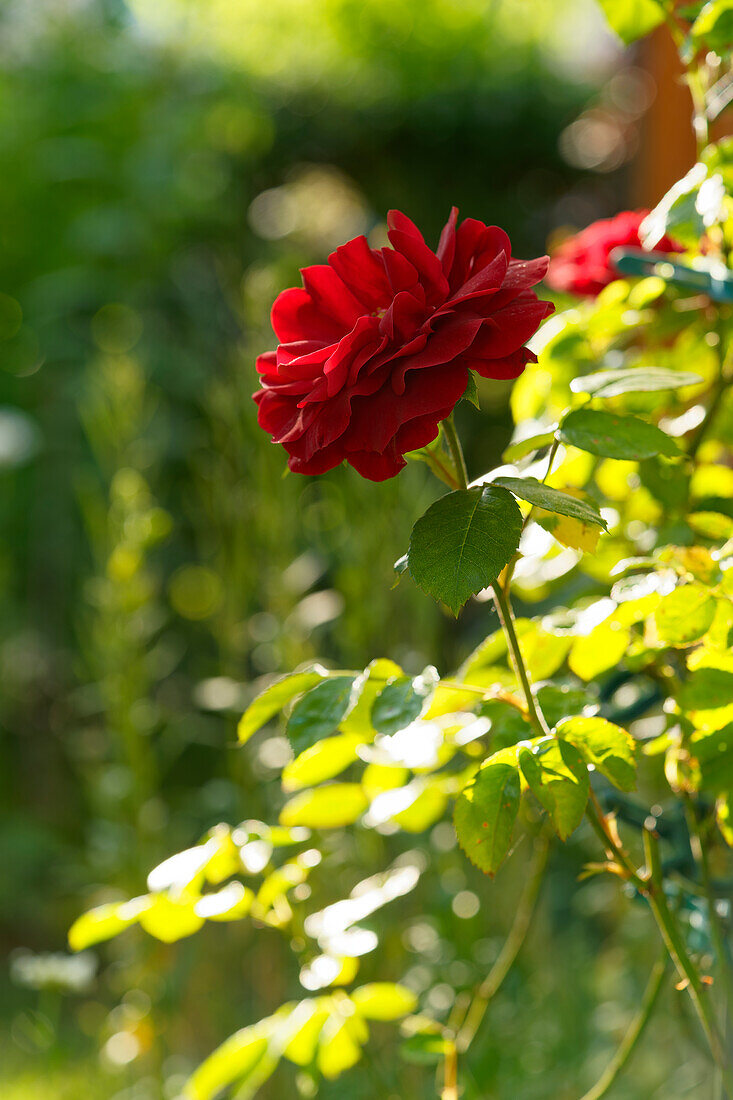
(384, 1001)
(685, 614)
(327, 807)
(632, 19)
(274, 698)
(557, 775)
(486, 810)
(605, 745)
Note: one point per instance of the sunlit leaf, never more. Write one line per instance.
(486, 810)
(327, 807)
(610, 749)
(340, 1043)
(384, 1001)
(170, 919)
(105, 921)
(685, 614)
(557, 775)
(632, 19)
(463, 542)
(233, 1061)
(597, 652)
(274, 698)
(321, 761)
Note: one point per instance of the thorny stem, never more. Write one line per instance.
(503, 964)
(675, 944)
(636, 1030)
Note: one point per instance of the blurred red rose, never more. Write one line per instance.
(376, 347)
(581, 264)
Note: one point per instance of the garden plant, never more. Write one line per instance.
(611, 706)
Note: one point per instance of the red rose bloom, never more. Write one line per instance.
(582, 265)
(376, 347)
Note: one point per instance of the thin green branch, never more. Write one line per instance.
(506, 618)
(686, 968)
(512, 945)
(633, 1035)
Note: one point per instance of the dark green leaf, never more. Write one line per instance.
(613, 383)
(463, 542)
(402, 700)
(319, 712)
(557, 775)
(624, 437)
(274, 698)
(552, 500)
(486, 810)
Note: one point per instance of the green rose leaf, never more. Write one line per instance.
(463, 542)
(235, 1060)
(319, 712)
(613, 383)
(552, 500)
(557, 775)
(685, 614)
(524, 447)
(714, 753)
(402, 700)
(714, 25)
(329, 807)
(321, 761)
(610, 749)
(632, 19)
(384, 1001)
(274, 698)
(486, 810)
(611, 436)
(706, 689)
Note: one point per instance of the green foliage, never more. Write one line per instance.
(610, 436)
(552, 500)
(271, 701)
(614, 383)
(463, 542)
(632, 19)
(401, 700)
(486, 811)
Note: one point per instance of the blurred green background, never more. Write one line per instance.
(167, 165)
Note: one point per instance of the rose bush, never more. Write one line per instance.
(611, 513)
(376, 346)
(582, 263)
